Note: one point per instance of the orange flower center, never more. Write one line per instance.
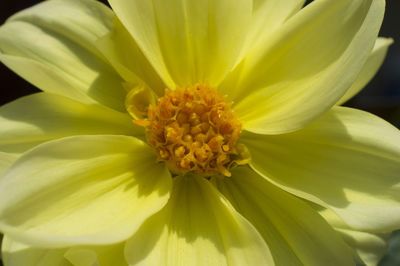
(194, 130)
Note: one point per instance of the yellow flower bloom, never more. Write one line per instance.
(195, 133)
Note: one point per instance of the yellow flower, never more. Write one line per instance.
(200, 132)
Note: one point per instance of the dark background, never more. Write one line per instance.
(381, 96)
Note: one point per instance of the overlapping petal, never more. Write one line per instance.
(123, 53)
(52, 45)
(294, 232)
(371, 67)
(347, 160)
(369, 247)
(41, 117)
(268, 16)
(6, 160)
(197, 227)
(82, 190)
(187, 42)
(104, 189)
(97, 255)
(289, 80)
(17, 254)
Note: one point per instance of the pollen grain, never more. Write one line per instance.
(195, 130)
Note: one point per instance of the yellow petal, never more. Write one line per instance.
(52, 45)
(82, 190)
(197, 227)
(6, 160)
(294, 232)
(268, 16)
(370, 68)
(369, 247)
(127, 58)
(41, 117)
(82, 257)
(19, 254)
(347, 161)
(110, 255)
(187, 41)
(308, 65)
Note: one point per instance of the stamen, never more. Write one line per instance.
(194, 130)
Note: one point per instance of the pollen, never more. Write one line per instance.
(194, 129)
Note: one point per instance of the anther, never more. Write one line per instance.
(194, 130)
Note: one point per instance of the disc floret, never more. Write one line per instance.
(193, 129)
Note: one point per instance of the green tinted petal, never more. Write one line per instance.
(52, 45)
(124, 54)
(6, 160)
(41, 117)
(268, 16)
(197, 227)
(97, 255)
(308, 65)
(295, 233)
(371, 67)
(267, 19)
(18, 254)
(369, 247)
(187, 41)
(82, 190)
(348, 161)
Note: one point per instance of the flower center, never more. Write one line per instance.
(194, 130)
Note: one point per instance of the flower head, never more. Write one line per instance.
(195, 132)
